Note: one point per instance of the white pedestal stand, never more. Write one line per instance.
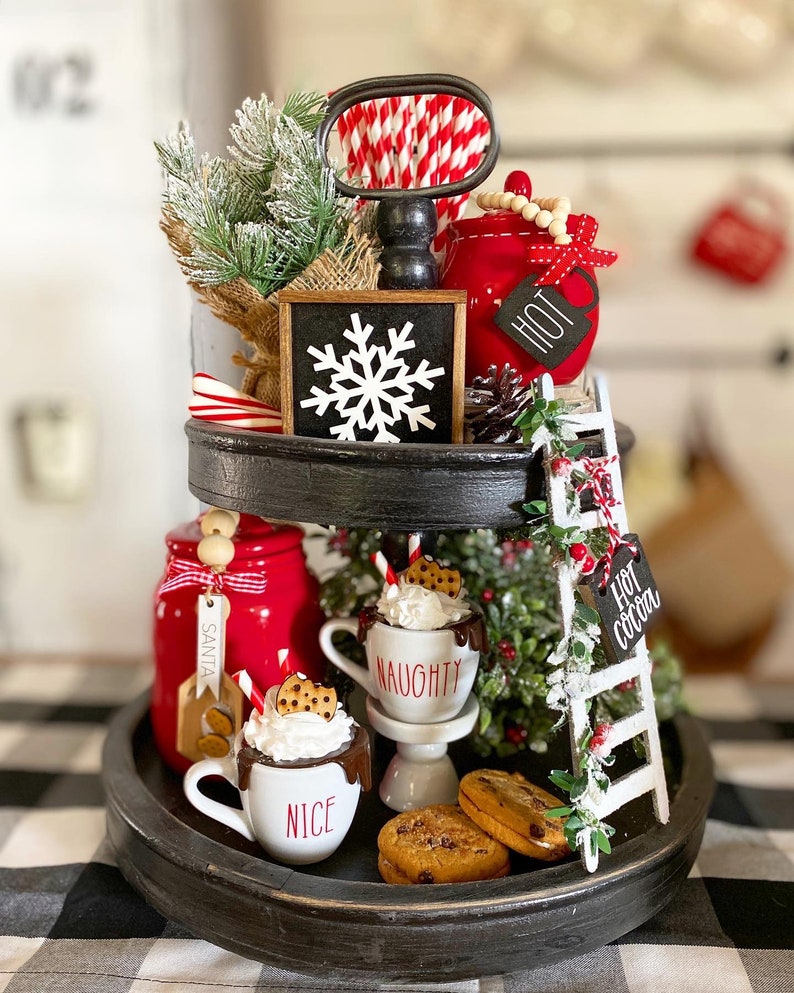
(421, 772)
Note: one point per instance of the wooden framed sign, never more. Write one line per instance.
(373, 365)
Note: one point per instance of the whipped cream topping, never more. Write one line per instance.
(411, 606)
(288, 737)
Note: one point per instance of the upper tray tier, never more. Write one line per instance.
(398, 487)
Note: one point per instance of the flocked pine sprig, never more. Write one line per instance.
(263, 214)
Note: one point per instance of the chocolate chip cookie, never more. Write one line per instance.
(438, 844)
(513, 810)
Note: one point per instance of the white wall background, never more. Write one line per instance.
(94, 308)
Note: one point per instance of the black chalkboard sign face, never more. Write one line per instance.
(546, 325)
(383, 366)
(628, 601)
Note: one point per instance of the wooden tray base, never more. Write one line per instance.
(338, 921)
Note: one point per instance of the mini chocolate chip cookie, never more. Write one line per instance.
(298, 695)
(513, 810)
(438, 844)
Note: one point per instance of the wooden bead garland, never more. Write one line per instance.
(217, 521)
(216, 549)
(548, 213)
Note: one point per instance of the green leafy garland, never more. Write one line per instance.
(266, 212)
(545, 425)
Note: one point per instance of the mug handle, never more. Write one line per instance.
(348, 666)
(237, 820)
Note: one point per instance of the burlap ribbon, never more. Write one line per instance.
(351, 266)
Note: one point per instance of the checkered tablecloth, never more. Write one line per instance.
(70, 923)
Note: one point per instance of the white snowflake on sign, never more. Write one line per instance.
(372, 387)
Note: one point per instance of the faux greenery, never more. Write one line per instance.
(512, 579)
(582, 828)
(265, 212)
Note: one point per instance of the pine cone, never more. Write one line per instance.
(503, 398)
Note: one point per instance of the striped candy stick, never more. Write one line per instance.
(414, 548)
(362, 144)
(383, 566)
(404, 140)
(422, 136)
(433, 124)
(376, 145)
(284, 664)
(251, 690)
(389, 150)
(348, 155)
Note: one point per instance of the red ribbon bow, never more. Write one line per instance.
(598, 481)
(562, 259)
(182, 573)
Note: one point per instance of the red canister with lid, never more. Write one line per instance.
(286, 615)
(488, 257)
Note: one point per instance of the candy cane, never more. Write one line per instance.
(381, 563)
(414, 548)
(251, 690)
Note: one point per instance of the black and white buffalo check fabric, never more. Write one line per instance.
(70, 923)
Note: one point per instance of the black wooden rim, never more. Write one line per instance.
(362, 454)
(129, 799)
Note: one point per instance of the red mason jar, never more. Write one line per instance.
(286, 615)
(487, 257)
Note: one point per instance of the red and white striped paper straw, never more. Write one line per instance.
(421, 129)
(283, 663)
(404, 137)
(381, 563)
(251, 690)
(414, 548)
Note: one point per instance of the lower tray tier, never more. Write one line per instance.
(337, 921)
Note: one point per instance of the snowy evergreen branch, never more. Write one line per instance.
(266, 212)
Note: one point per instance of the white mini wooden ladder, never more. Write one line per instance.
(650, 775)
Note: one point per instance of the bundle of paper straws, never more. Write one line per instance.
(413, 141)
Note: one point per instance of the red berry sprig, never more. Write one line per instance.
(517, 734)
(581, 553)
(507, 649)
(561, 466)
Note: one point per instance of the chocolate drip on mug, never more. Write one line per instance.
(471, 630)
(354, 759)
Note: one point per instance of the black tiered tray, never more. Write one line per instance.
(337, 921)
